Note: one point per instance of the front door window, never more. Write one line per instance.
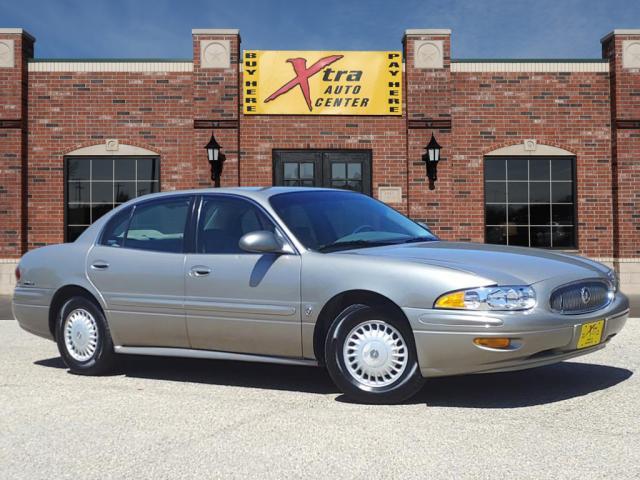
(224, 220)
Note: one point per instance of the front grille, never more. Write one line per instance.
(580, 297)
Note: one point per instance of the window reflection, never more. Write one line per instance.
(530, 201)
(97, 185)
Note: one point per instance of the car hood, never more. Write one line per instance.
(500, 264)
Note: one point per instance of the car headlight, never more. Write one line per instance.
(513, 297)
(614, 283)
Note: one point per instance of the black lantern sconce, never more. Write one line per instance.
(216, 160)
(431, 158)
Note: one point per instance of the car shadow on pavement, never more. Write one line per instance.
(524, 388)
(220, 372)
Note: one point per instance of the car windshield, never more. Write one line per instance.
(328, 221)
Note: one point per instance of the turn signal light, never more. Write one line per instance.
(494, 342)
(17, 272)
(452, 300)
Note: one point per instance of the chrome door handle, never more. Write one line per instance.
(100, 265)
(199, 271)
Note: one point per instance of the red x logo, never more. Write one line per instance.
(302, 76)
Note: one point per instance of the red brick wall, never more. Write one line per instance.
(625, 91)
(428, 90)
(384, 136)
(566, 110)
(10, 192)
(216, 96)
(13, 80)
(493, 110)
(485, 111)
(154, 110)
(69, 110)
(428, 97)
(13, 155)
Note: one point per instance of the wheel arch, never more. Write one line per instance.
(340, 302)
(61, 296)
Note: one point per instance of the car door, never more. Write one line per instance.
(137, 266)
(237, 301)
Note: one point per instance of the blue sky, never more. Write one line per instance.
(162, 28)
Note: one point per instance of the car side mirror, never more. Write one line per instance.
(261, 241)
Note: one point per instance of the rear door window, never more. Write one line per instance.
(113, 234)
(159, 226)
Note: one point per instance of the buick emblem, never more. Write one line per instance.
(585, 294)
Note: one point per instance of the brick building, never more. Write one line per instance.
(540, 153)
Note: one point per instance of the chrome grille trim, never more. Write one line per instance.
(570, 299)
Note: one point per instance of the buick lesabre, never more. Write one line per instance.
(310, 277)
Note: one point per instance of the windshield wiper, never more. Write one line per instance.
(352, 244)
(418, 239)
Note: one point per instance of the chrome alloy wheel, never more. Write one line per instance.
(81, 335)
(375, 354)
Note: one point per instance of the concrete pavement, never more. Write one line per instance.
(5, 308)
(179, 418)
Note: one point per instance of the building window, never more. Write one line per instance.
(299, 174)
(96, 185)
(346, 169)
(530, 201)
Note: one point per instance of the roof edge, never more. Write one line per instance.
(427, 31)
(215, 31)
(17, 31)
(529, 60)
(620, 31)
(110, 60)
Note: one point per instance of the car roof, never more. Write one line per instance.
(258, 193)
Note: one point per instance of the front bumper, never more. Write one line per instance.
(444, 339)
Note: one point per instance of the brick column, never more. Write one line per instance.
(428, 111)
(16, 46)
(216, 100)
(622, 48)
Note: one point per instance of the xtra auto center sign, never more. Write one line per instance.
(322, 83)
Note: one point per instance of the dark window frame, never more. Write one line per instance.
(574, 184)
(194, 221)
(68, 158)
(186, 240)
(110, 223)
(322, 167)
(187, 244)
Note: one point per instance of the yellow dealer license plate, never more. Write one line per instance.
(590, 334)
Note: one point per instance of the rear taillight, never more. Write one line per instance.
(17, 274)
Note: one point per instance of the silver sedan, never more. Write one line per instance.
(312, 277)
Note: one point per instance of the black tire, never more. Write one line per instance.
(408, 383)
(103, 359)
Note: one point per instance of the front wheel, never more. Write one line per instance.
(83, 338)
(371, 356)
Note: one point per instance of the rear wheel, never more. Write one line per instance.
(370, 355)
(83, 337)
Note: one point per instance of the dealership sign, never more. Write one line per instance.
(322, 83)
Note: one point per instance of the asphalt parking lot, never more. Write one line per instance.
(179, 418)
